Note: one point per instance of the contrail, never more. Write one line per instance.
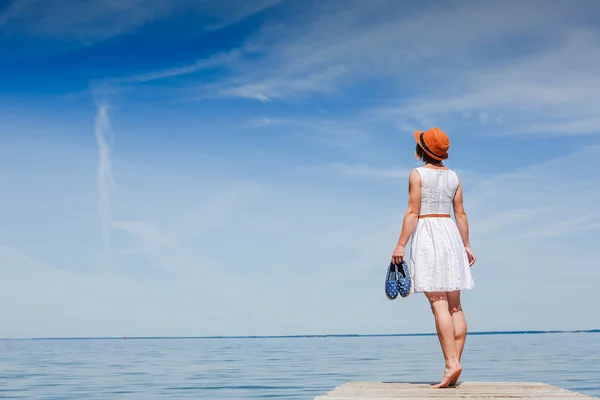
(103, 133)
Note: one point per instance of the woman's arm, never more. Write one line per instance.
(410, 217)
(462, 222)
(461, 216)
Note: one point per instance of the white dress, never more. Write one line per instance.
(438, 259)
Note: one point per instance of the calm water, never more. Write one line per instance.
(280, 368)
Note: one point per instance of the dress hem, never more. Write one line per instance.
(443, 289)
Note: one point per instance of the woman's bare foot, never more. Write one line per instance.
(450, 375)
(454, 381)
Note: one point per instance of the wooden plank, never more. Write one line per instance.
(466, 390)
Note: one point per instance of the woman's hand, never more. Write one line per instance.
(398, 254)
(470, 255)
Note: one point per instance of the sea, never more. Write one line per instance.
(299, 367)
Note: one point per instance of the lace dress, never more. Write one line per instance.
(438, 260)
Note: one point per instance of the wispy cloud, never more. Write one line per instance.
(568, 226)
(283, 88)
(218, 60)
(340, 39)
(172, 240)
(234, 11)
(494, 223)
(550, 91)
(149, 236)
(87, 22)
(549, 87)
(530, 202)
(346, 133)
(265, 121)
(359, 171)
(91, 22)
(14, 259)
(103, 133)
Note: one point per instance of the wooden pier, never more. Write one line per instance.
(466, 390)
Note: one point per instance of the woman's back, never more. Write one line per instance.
(438, 187)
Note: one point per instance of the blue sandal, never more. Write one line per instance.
(391, 282)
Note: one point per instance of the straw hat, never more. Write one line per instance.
(434, 142)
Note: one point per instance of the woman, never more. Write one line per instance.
(440, 252)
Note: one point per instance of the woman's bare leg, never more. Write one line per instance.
(445, 330)
(460, 324)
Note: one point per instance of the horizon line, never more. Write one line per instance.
(341, 335)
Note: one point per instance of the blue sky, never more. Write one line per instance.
(240, 167)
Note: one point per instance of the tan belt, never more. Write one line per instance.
(434, 216)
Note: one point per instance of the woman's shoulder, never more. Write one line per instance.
(432, 172)
(428, 169)
(414, 174)
(451, 172)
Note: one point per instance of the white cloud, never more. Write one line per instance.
(360, 171)
(563, 227)
(87, 22)
(464, 65)
(172, 246)
(149, 236)
(272, 89)
(233, 11)
(212, 62)
(91, 22)
(104, 134)
(546, 199)
(551, 92)
(334, 38)
(13, 257)
(264, 122)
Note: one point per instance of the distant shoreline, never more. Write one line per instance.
(534, 332)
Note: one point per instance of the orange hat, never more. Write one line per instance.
(434, 142)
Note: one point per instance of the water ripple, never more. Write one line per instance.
(283, 368)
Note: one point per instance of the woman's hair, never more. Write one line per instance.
(426, 158)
